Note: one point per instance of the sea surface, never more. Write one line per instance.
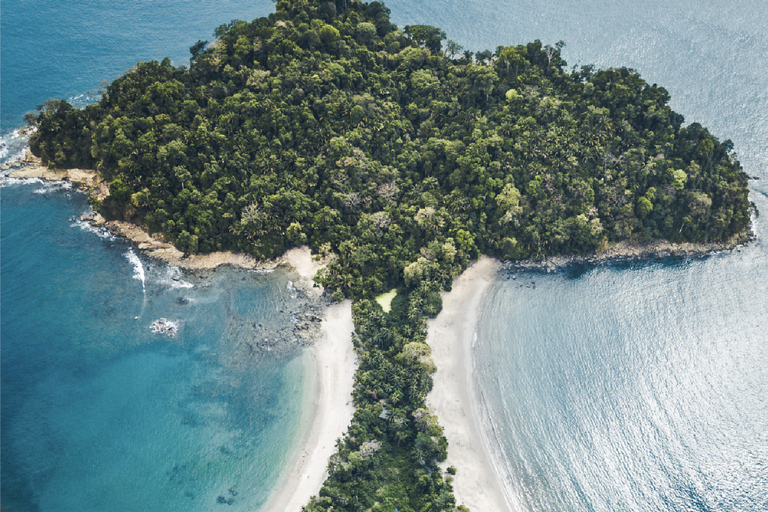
(637, 386)
(621, 387)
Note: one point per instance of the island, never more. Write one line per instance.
(399, 158)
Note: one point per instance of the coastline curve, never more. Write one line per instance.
(455, 397)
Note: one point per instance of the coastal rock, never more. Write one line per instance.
(93, 219)
(164, 326)
(628, 251)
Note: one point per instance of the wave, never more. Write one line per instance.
(138, 268)
(8, 182)
(84, 99)
(53, 186)
(102, 232)
(13, 146)
(45, 186)
(172, 276)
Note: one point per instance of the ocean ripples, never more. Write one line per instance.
(631, 389)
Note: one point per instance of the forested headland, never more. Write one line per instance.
(402, 157)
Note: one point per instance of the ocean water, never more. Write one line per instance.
(634, 386)
(100, 413)
(631, 387)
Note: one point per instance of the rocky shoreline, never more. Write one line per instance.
(153, 246)
(251, 341)
(156, 247)
(630, 252)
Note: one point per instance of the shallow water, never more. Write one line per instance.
(99, 413)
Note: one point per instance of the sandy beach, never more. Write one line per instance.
(328, 398)
(328, 412)
(454, 397)
(305, 265)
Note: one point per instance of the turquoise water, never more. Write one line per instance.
(99, 413)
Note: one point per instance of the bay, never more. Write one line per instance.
(99, 413)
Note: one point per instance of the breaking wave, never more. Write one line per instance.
(138, 268)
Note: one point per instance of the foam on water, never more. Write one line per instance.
(10, 182)
(138, 268)
(101, 232)
(173, 277)
(13, 146)
(53, 186)
(164, 326)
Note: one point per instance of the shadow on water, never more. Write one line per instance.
(574, 270)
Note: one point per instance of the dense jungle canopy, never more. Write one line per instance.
(325, 124)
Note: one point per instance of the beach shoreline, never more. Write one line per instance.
(328, 410)
(331, 360)
(455, 398)
(327, 403)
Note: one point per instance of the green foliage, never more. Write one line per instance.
(324, 124)
(426, 36)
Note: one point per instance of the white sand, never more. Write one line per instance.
(329, 408)
(454, 397)
(305, 265)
